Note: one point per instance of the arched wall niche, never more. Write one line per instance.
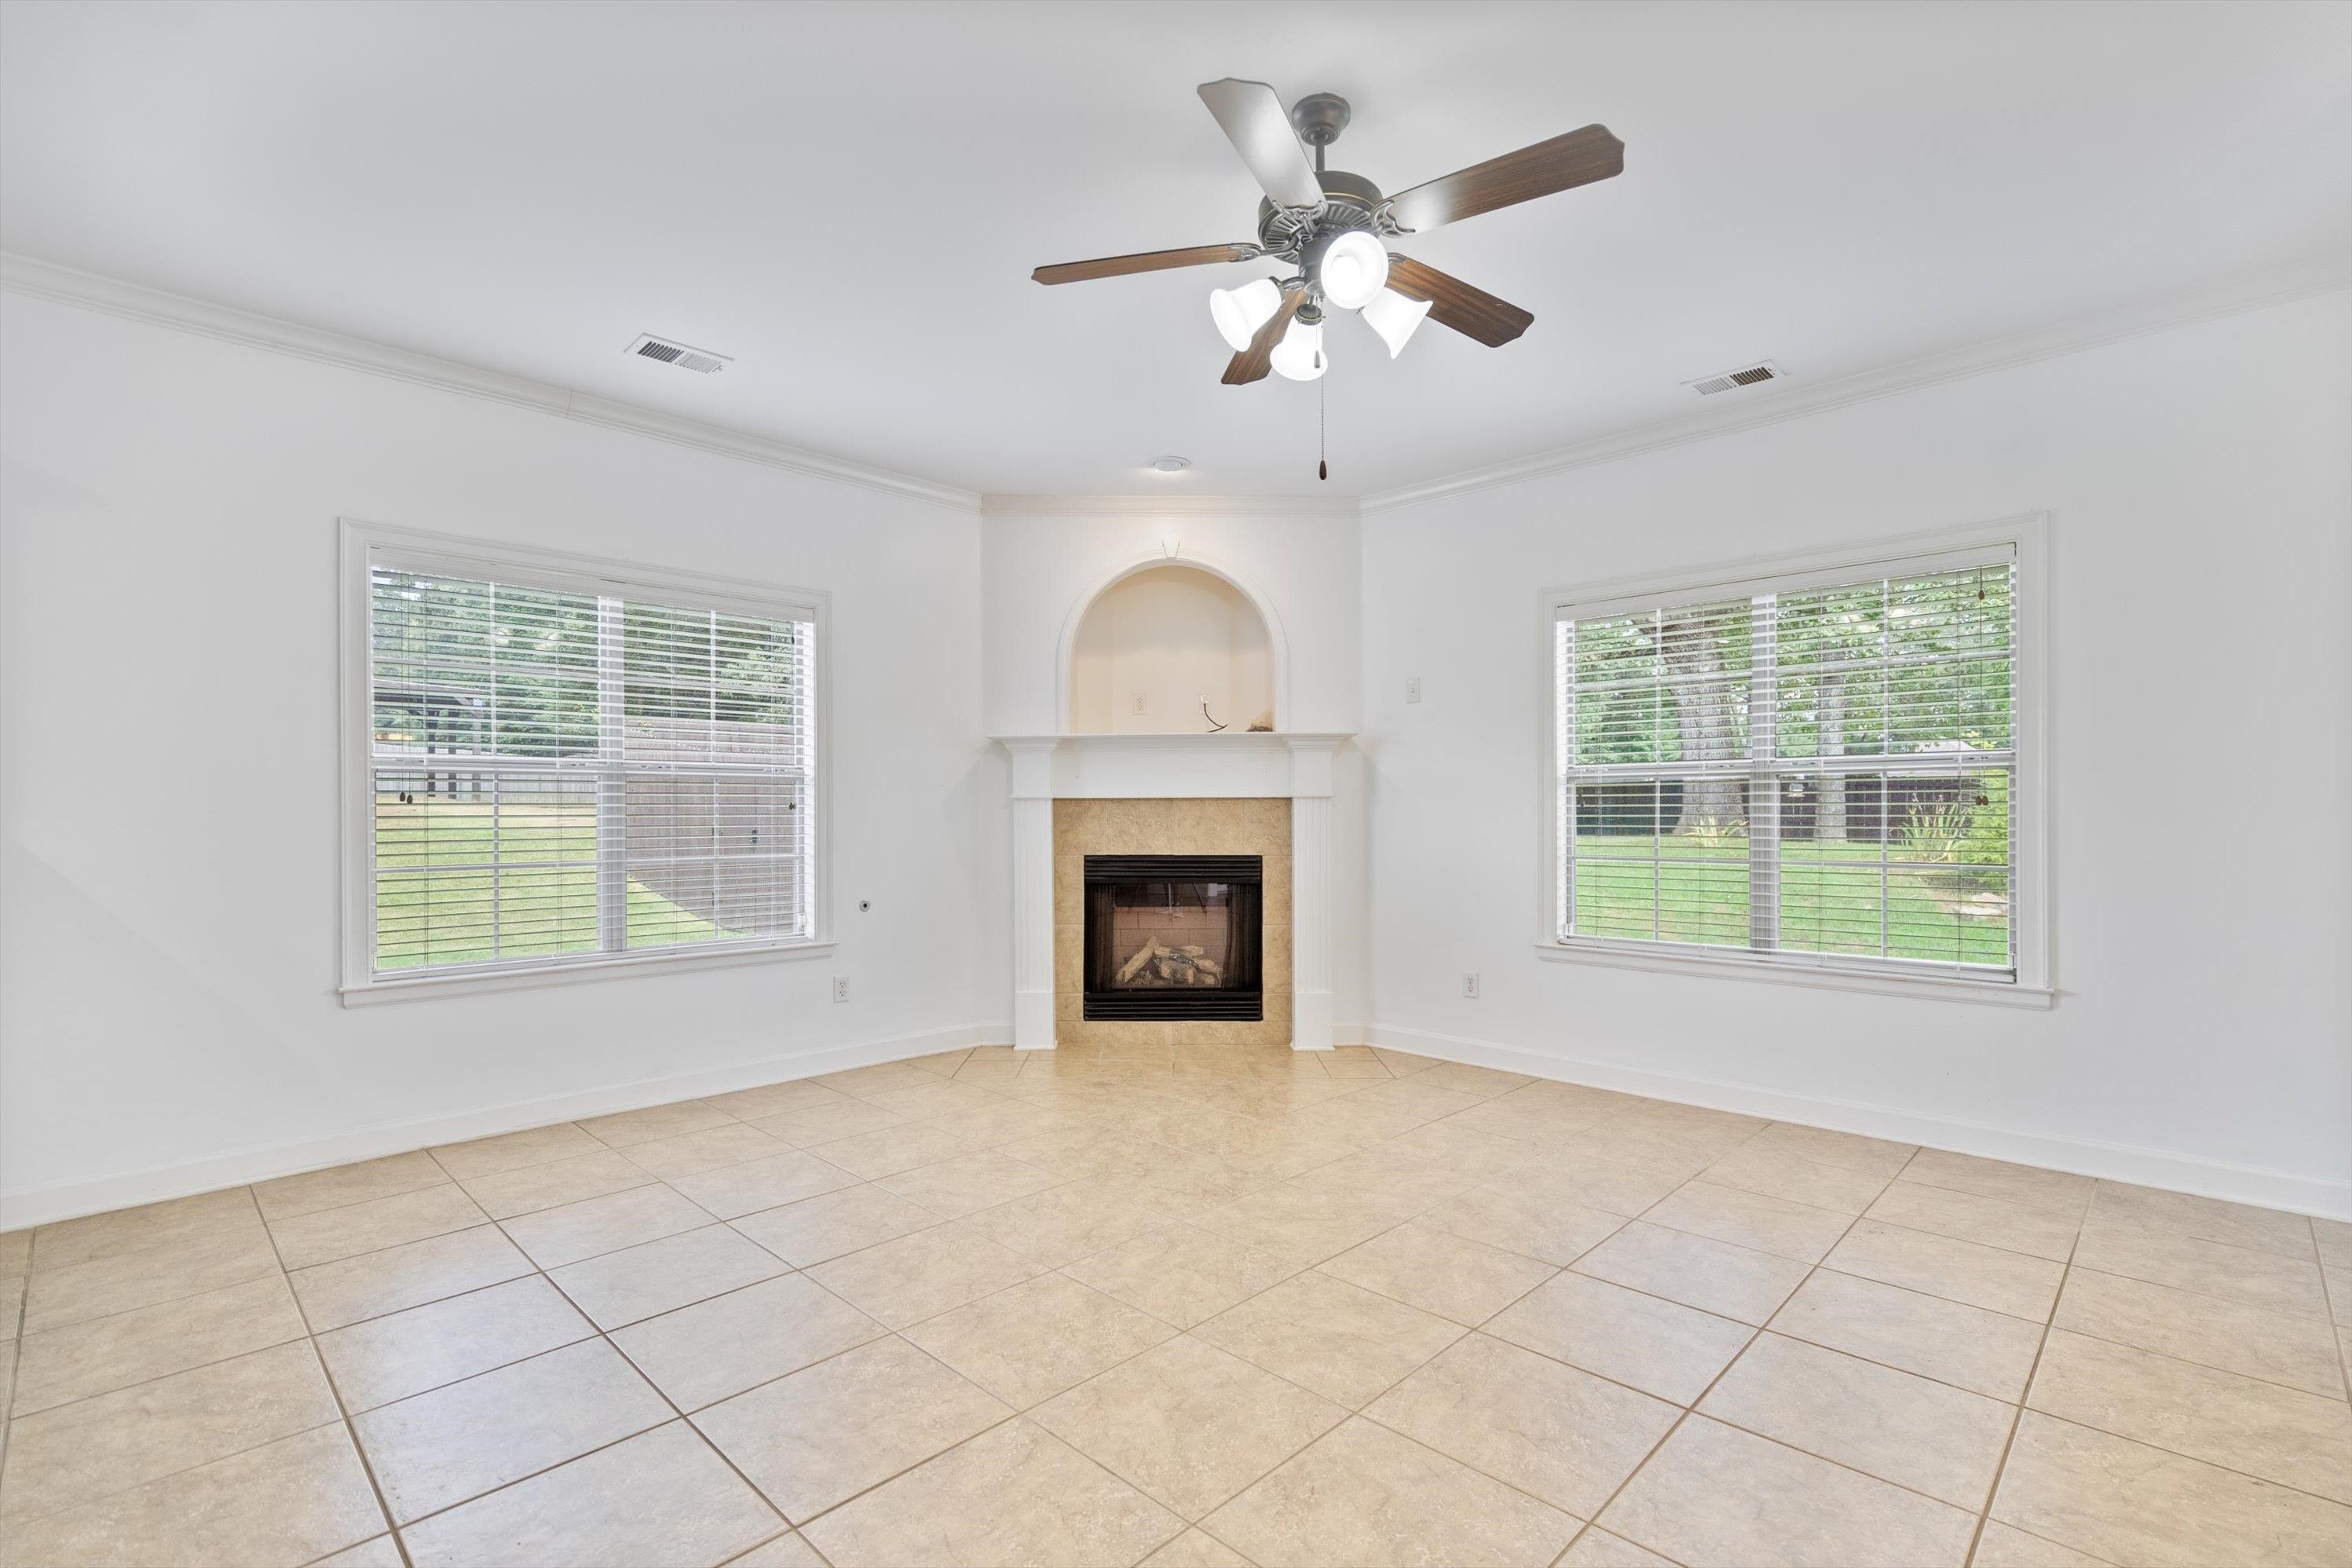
(1171, 631)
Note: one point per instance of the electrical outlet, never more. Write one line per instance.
(1138, 701)
(841, 988)
(1412, 688)
(1470, 987)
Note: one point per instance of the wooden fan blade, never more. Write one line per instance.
(1473, 312)
(1253, 118)
(1253, 362)
(1142, 261)
(1562, 163)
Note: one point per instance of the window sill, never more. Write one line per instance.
(1735, 967)
(369, 993)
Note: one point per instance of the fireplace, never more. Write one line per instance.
(1174, 936)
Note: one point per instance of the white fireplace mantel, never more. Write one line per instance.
(1049, 767)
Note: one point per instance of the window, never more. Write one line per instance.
(562, 764)
(1823, 770)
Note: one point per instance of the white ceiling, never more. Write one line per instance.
(849, 199)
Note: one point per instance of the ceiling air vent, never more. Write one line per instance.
(1745, 376)
(678, 354)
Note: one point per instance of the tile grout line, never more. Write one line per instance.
(1931, 1377)
(1732, 1360)
(16, 1347)
(1822, 1266)
(2068, 1263)
(663, 1394)
(161, 1376)
(163, 1301)
(2337, 1328)
(334, 1392)
(1988, 1197)
(1011, 1414)
(15, 1363)
(2017, 1422)
(598, 1333)
(2054, 1326)
(1361, 1413)
(2023, 1407)
(2179, 1454)
(444, 1179)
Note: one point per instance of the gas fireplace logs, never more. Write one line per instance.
(1186, 965)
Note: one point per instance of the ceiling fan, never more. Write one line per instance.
(1335, 226)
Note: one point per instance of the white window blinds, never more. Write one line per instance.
(1818, 769)
(567, 770)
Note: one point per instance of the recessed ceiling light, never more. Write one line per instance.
(1170, 465)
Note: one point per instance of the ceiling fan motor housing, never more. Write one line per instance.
(1350, 201)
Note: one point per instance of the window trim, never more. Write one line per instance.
(359, 539)
(2032, 919)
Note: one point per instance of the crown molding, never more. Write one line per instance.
(1186, 506)
(45, 281)
(2251, 291)
(65, 286)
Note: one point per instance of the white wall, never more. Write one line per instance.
(168, 897)
(1156, 649)
(168, 885)
(2201, 508)
(1039, 570)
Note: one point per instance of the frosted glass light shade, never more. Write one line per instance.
(1394, 317)
(1299, 355)
(1240, 312)
(1354, 269)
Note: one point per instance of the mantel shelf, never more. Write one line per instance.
(1269, 738)
(1123, 767)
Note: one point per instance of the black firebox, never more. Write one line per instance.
(1174, 936)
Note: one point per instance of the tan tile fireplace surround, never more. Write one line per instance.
(1258, 827)
(1266, 794)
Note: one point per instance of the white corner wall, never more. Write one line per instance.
(1040, 569)
(2202, 721)
(168, 880)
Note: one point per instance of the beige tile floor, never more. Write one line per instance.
(1215, 1307)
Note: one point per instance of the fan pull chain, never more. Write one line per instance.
(1322, 436)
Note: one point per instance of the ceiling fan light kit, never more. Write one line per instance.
(1394, 317)
(1299, 355)
(1334, 226)
(1240, 312)
(1353, 268)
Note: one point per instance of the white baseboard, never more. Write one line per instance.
(24, 1207)
(2115, 1162)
